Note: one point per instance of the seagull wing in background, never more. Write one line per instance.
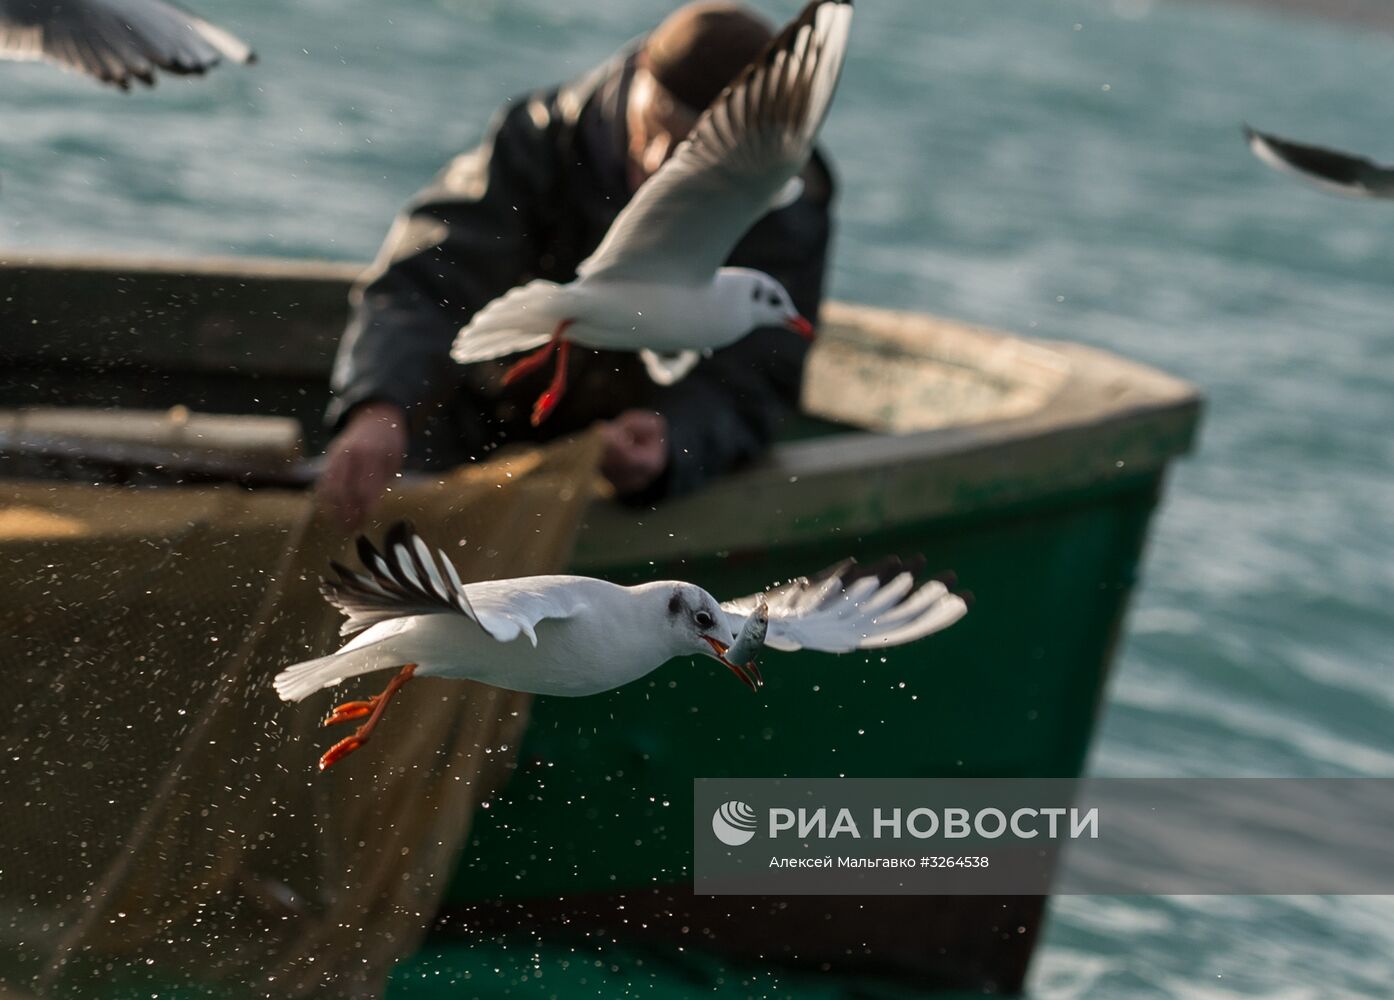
(742, 154)
(575, 635)
(1327, 168)
(116, 41)
(849, 607)
(652, 284)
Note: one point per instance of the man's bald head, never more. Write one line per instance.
(684, 64)
(701, 47)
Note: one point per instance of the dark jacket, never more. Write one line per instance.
(533, 200)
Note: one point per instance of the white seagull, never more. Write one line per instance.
(576, 635)
(1331, 169)
(116, 41)
(656, 283)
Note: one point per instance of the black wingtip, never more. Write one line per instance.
(400, 533)
(885, 570)
(401, 580)
(781, 42)
(367, 553)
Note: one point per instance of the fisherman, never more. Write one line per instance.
(533, 200)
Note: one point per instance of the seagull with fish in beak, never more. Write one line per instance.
(576, 635)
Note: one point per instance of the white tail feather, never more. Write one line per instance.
(298, 682)
(517, 321)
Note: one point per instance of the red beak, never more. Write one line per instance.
(749, 674)
(801, 326)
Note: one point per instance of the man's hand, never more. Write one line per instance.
(636, 450)
(361, 461)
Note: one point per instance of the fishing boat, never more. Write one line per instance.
(1031, 468)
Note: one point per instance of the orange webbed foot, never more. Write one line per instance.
(542, 409)
(341, 750)
(373, 708)
(349, 711)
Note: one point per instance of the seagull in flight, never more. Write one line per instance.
(656, 283)
(1331, 169)
(576, 635)
(116, 41)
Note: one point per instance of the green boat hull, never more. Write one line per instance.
(601, 806)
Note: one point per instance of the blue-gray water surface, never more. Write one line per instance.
(1061, 168)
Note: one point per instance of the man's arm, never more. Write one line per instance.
(460, 243)
(726, 412)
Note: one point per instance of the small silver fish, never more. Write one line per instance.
(752, 637)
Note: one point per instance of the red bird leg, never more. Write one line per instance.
(349, 744)
(547, 402)
(530, 363)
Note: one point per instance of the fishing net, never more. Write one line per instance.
(162, 811)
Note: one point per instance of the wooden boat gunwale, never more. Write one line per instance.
(1095, 417)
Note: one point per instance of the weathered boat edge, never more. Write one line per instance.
(1106, 418)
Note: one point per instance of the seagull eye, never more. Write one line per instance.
(704, 620)
(774, 299)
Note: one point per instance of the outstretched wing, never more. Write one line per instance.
(1328, 168)
(116, 41)
(849, 607)
(509, 608)
(739, 159)
(406, 579)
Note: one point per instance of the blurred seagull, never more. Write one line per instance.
(656, 283)
(1327, 168)
(583, 635)
(116, 41)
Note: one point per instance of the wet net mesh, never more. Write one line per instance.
(161, 808)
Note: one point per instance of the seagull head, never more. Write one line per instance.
(700, 626)
(761, 301)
